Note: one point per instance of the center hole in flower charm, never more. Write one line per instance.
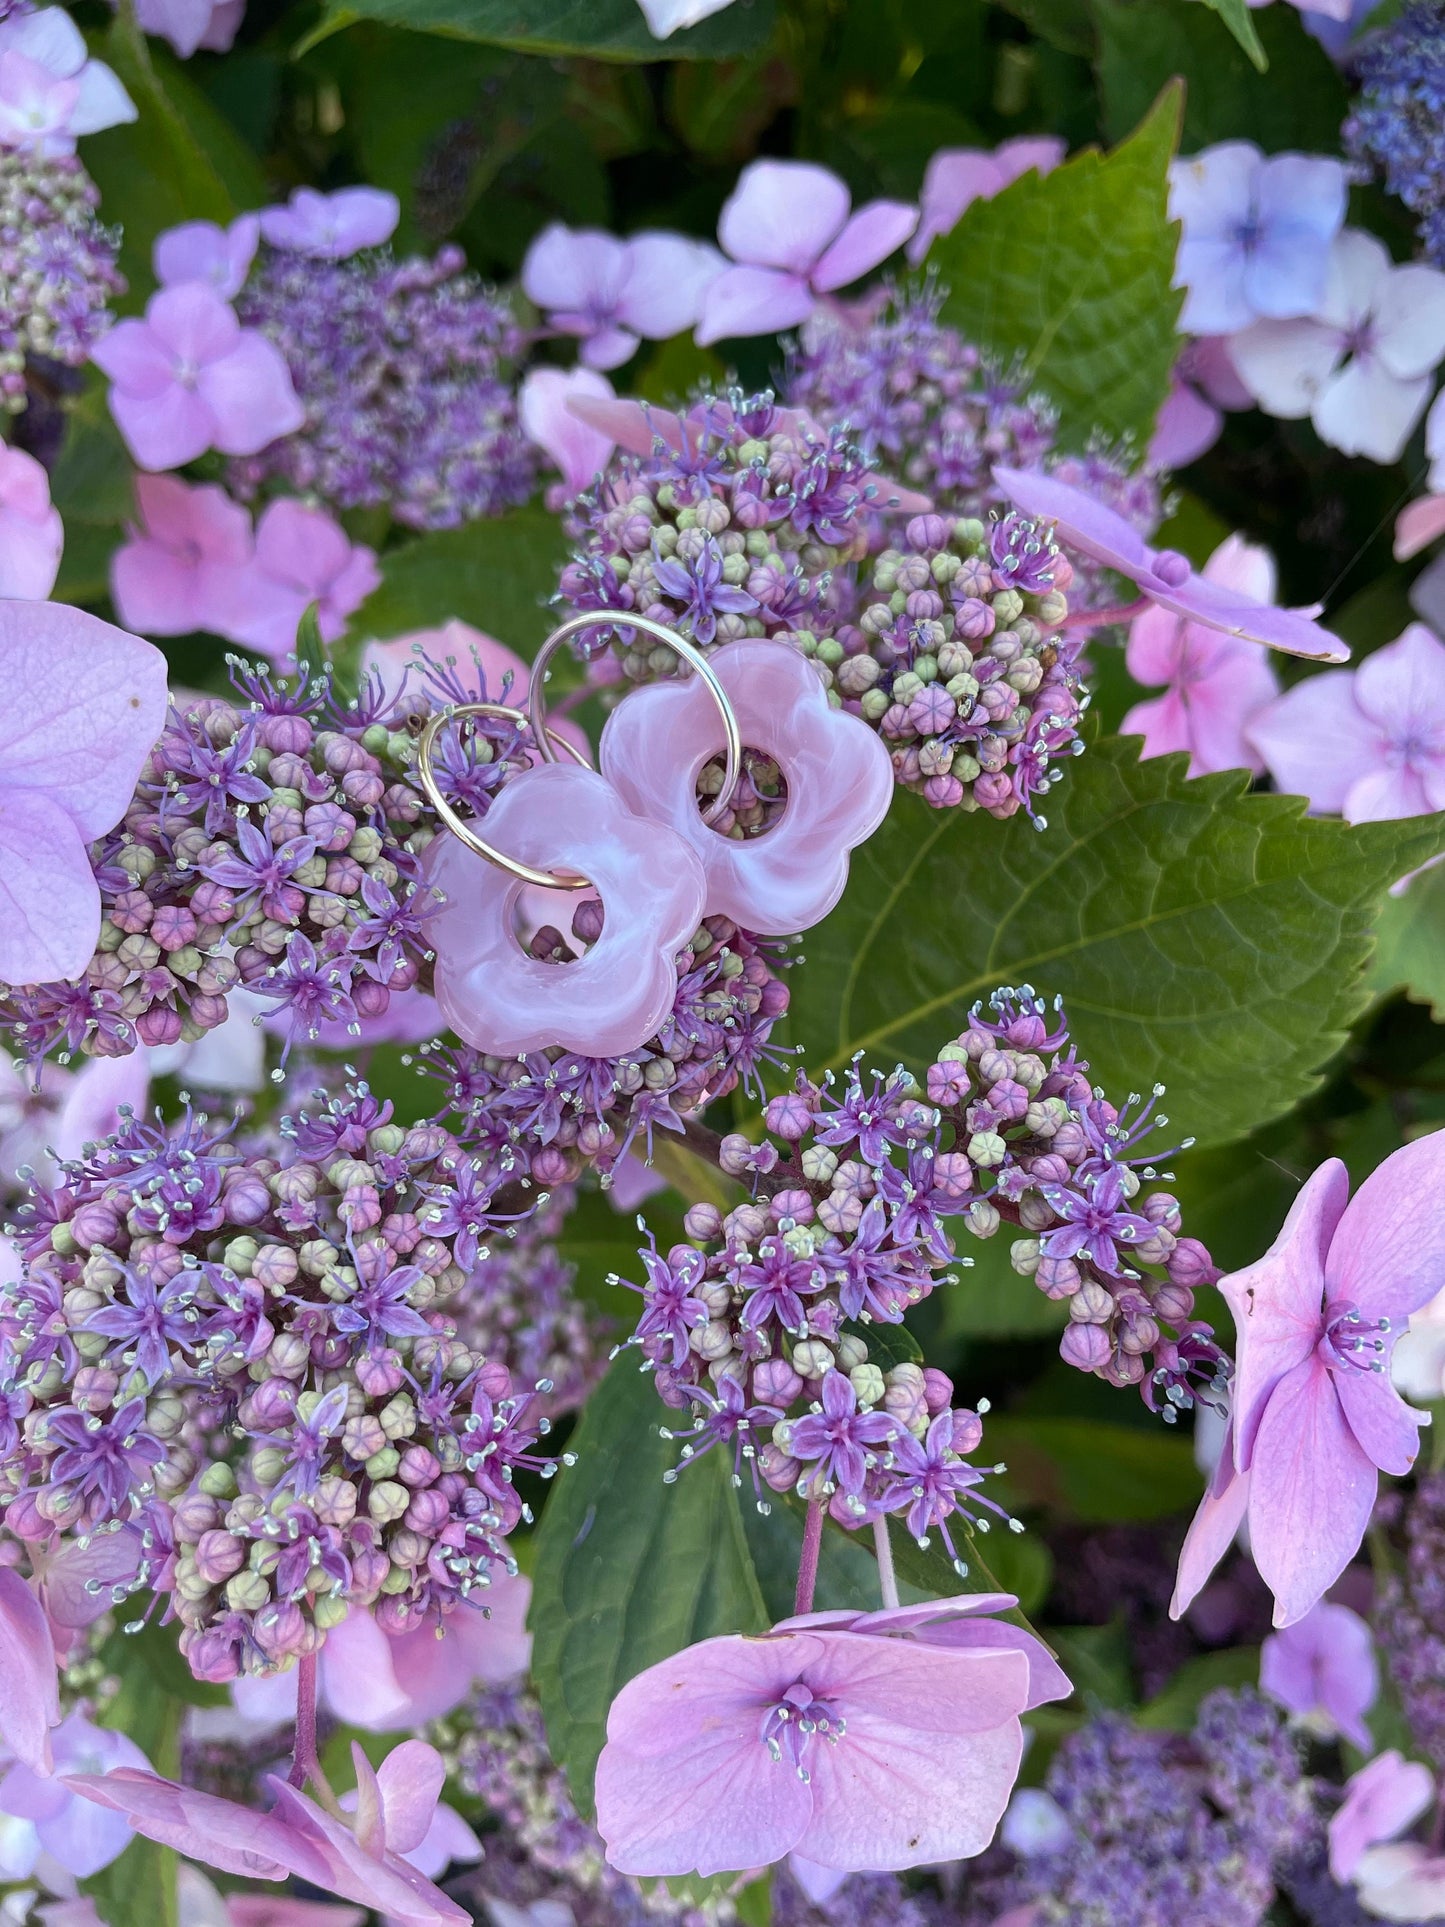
(556, 926)
(758, 802)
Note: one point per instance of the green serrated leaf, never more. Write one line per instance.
(599, 29)
(138, 1889)
(1101, 1474)
(1201, 937)
(1410, 943)
(1143, 42)
(1174, 1709)
(1096, 1659)
(1071, 273)
(495, 574)
(629, 1570)
(1240, 21)
(179, 160)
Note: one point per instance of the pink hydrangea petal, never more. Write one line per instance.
(1381, 1800)
(818, 1883)
(978, 1632)
(1386, 794)
(877, 230)
(1324, 1664)
(1312, 1490)
(604, 1003)
(134, 359)
(1292, 630)
(165, 430)
(752, 301)
(388, 1885)
(249, 394)
(94, 1101)
(783, 214)
(1212, 1529)
(30, 547)
(1155, 651)
(839, 778)
(29, 1686)
(1388, 1430)
(411, 1778)
(1402, 686)
(1387, 1254)
(302, 547)
(358, 1677)
(216, 1832)
(85, 704)
(1278, 1302)
(112, 1558)
(885, 1799)
(1188, 425)
(346, 592)
(719, 1803)
(954, 178)
(448, 1840)
(609, 348)
(485, 1641)
(154, 589)
(579, 451)
(1419, 525)
(1084, 523)
(1315, 740)
(330, 227)
(101, 101)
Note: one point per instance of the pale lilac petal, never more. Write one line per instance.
(1155, 651)
(135, 359)
(1324, 1668)
(280, 1910)
(225, 24)
(448, 1841)
(1380, 1801)
(719, 1681)
(202, 251)
(1386, 794)
(1220, 707)
(166, 430)
(330, 227)
(1360, 270)
(665, 279)
(250, 396)
(1212, 369)
(154, 589)
(85, 704)
(954, 178)
(65, 1577)
(718, 1804)
(101, 101)
(216, 1832)
(411, 1778)
(630, 424)
(892, 1797)
(1312, 1490)
(49, 36)
(1419, 525)
(576, 270)
(1082, 522)
(1036, 153)
(609, 348)
(1366, 410)
(1212, 1530)
(1211, 270)
(302, 547)
(484, 1642)
(93, 1104)
(1278, 1302)
(818, 1883)
(752, 301)
(1410, 338)
(877, 230)
(49, 898)
(29, 1686)
(1401, 687)
(783, 214)
(1388, 1430)
(1387, 1254)
(193, 322)
(1404, 1883)
(357, 1678)
(1163, 722)
(1285, 364)
(181, 22)
(1300, 202)
(1435, 442)
(31, 535)
(577, 450)
(1315, 741)
(388, 1885)
(972, 1632)
(1244, 567)
(1212, 192)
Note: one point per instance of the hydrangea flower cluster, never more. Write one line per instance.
(553, 1113)
(927, 405)
(232, 1379)
(58, 271)
(1139, 1826)
(520, 1309)
(962, 669)
(1409, 1616)
(273, 844)
(404, 369)
(1397, 125)
(764, 1330)
(731, 527)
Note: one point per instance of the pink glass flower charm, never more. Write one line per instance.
(562, 817)
(838, 774)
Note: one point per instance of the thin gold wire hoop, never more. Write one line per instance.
(680, 646)
(458, 825)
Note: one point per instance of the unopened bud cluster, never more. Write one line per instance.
(961, 666)
(736, 533)
(235, 1379)
(58, 271)
(273, 844)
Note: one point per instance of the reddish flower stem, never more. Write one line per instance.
(304, 1763)
(808, 1563)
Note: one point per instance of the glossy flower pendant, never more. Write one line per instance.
(838, 775)
(613, 997)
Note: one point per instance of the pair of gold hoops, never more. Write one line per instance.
(548, 741)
